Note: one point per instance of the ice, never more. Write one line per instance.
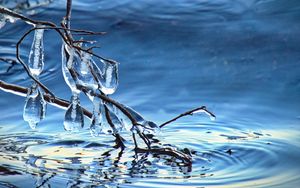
(150, 127)
(106, 128)
(109, 79)
(67, 61)
(36, 55)
(125, 121)
(82, 65)
(211, 116)
(95, 128)
(118, 125)
(35, 107)
(74, 119)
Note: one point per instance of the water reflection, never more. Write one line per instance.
(78, 163)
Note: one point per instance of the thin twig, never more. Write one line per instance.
(190, 112)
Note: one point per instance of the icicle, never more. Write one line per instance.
(36, 55)
(118, 125)
(35, 107)
(106, 129)
(95, 128)
(148, 127)
(74, 119)
(123, 119)
(135, 115)
(109, 79)
(82, 66)
(67, 63)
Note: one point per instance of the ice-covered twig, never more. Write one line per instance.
(190, 112)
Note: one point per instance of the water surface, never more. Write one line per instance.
(240, 59)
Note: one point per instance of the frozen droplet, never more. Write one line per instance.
(109, 79)
(74, 119)
(118, 125)
(135, 115)
(67, 62)
(35, 107)
(85, 70)
(213, 118)
(95, 128)
(124, 120)
(36, 55)
(106, 128)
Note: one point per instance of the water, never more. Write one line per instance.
(240, 59)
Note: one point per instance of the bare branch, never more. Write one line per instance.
(190, 112)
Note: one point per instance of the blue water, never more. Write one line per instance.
(239, 58)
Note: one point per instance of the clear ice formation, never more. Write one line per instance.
(36, 55)
(35, 107)
(109, 79)
(74, 119)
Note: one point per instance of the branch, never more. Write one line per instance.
(22, 91)
(190, 112)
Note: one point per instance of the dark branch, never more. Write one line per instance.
(190, 112)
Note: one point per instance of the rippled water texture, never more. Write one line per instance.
(239, 58)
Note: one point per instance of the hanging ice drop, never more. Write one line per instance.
(95, 128)
(74, 119)
(118, 124)
(36, 55)
(109, 79)
(84, 67)
(67, 63)
(35, 107)
(105, 127)
(123, 119)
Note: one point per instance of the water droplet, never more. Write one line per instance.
(109, 79)
(74, 119)
(35, 107)
(36, 55)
